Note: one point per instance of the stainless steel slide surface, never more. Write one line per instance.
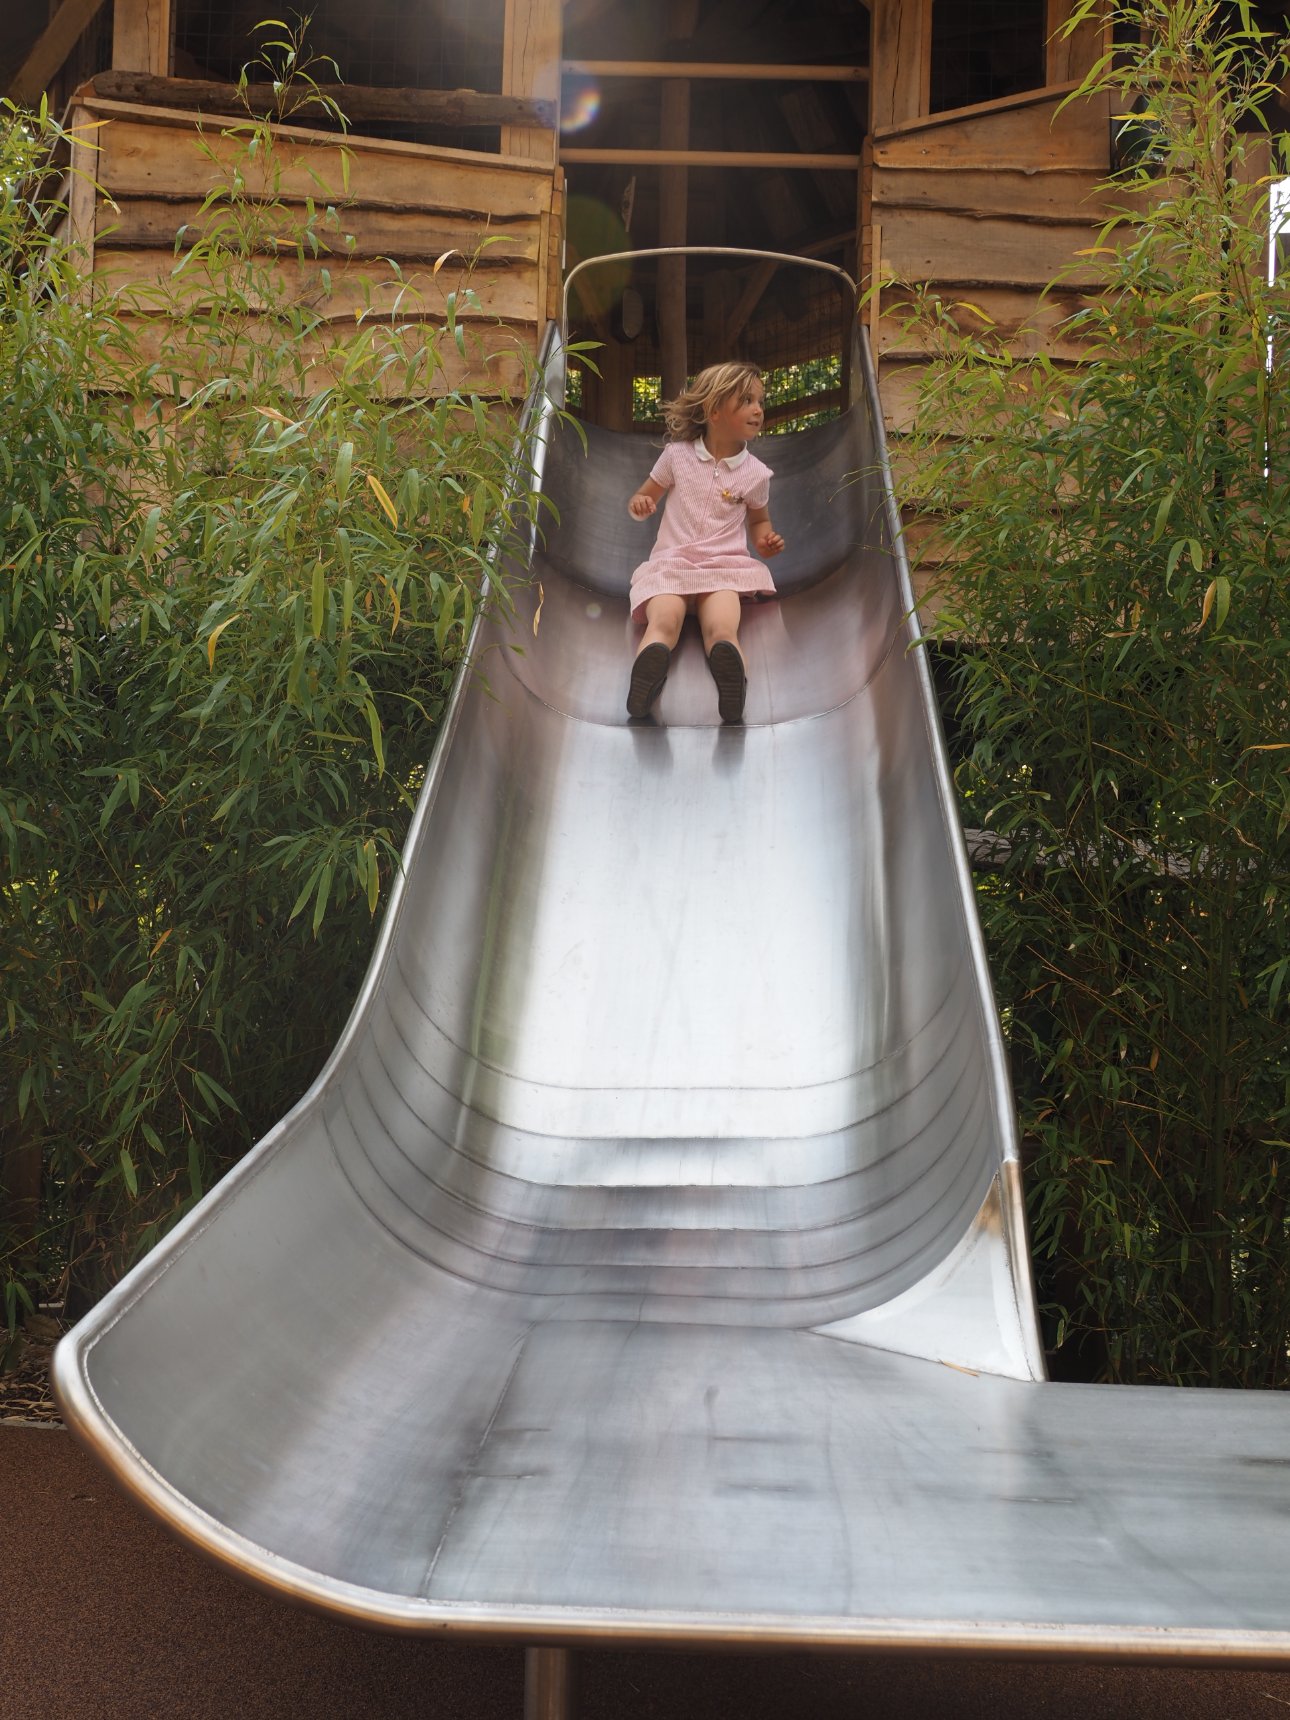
(647, 1262)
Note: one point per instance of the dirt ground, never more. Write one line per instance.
(105, 1616)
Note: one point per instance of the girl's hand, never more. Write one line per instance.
(641, 506)
(766, 540)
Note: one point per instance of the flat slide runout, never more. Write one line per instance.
(647, 1263)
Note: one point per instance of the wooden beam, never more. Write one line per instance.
(356, 101)
(51, 49)
(700, 69)
(141, 36)
(531, 42)
(713, 158)
(674, 212)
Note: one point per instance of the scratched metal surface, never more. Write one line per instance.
(647, 1263)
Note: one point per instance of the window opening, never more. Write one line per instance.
(985, 49)
(403, 44)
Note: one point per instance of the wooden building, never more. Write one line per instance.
(914, 139)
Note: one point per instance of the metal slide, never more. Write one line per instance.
(647, 1263)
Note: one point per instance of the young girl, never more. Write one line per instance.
(700, 564)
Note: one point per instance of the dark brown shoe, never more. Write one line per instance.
(649, 672)
(727, 668)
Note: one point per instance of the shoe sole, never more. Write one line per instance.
(727, 669)
(649, 672)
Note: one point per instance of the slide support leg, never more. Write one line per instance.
(548, 1684)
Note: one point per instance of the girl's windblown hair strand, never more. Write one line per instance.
(686, 416)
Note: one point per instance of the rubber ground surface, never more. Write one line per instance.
(105, 1616)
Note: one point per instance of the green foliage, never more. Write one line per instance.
(239, 557)
(1118, 604)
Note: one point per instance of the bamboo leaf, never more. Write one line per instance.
(213, 638)
(382, 495)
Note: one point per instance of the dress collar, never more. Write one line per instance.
(702, 450)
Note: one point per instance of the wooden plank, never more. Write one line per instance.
(1062, 195)
(930, 245)
(1028, 134)
(51, 48)
(1024, 322)
(531, 44)
(153, 160)
(358, 102)
(380, 150)
(141, 36)
(409, 236)
(339, 292)
(1048, 94)
(711, 69)
(901, 54)
(495, 363)
(711, 158)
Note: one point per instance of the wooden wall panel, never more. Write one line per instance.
(453, 222)
(986, 207)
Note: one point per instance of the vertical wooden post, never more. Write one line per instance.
(1072, 56)
(531, 46)
(674, 211)
(141, 36)
(901, 52)
(82, 193)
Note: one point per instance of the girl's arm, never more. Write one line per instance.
(644, 502)
(766, 540)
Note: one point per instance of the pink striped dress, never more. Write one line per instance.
(702, 542)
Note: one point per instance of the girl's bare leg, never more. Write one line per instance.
(718, 615)
(664, 615)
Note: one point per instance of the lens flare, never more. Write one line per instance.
(581, 104)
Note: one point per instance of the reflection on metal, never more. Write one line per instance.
(648, 1262)
(619, 257)
(548, 1684)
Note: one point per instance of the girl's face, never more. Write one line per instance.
(739, 417)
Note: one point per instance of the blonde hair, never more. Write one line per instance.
(686, 416)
